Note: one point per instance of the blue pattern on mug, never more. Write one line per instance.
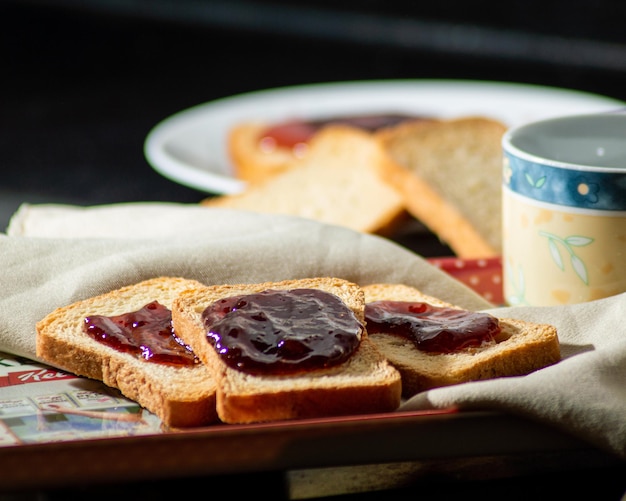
(596, 190)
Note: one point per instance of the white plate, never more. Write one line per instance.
(190, 146)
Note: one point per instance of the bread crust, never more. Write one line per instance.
(522, 348)
(337, 182)
(365, 383)
(449, 175)
(250, 163)
(180, 396)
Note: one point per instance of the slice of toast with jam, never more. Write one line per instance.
(433, 343)
(287, 350)
(260, 149)
(124, 339)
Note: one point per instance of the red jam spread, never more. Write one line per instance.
(432, 329)
(292, 133)
(146, 333)
(282, 331)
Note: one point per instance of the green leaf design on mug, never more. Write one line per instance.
(535, 184)
(556, 255)
(518, 285)
(567, 243)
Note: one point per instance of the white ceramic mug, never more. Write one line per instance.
(564, 210)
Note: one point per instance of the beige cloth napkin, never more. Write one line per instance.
(54, 255)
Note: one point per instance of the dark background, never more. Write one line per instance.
(84, 81)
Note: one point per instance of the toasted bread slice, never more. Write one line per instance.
(521, 348)
(256, 157)
(338, 182)
(364, 383)
(449, 175)
(180, 395)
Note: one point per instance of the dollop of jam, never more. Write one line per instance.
(431, 328)
(295, 134)
(282, 331)
(146, 333)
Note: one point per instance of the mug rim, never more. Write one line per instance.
(512, 149)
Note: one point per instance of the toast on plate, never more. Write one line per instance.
(338, 182)
(448, 173)
(259, 149)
